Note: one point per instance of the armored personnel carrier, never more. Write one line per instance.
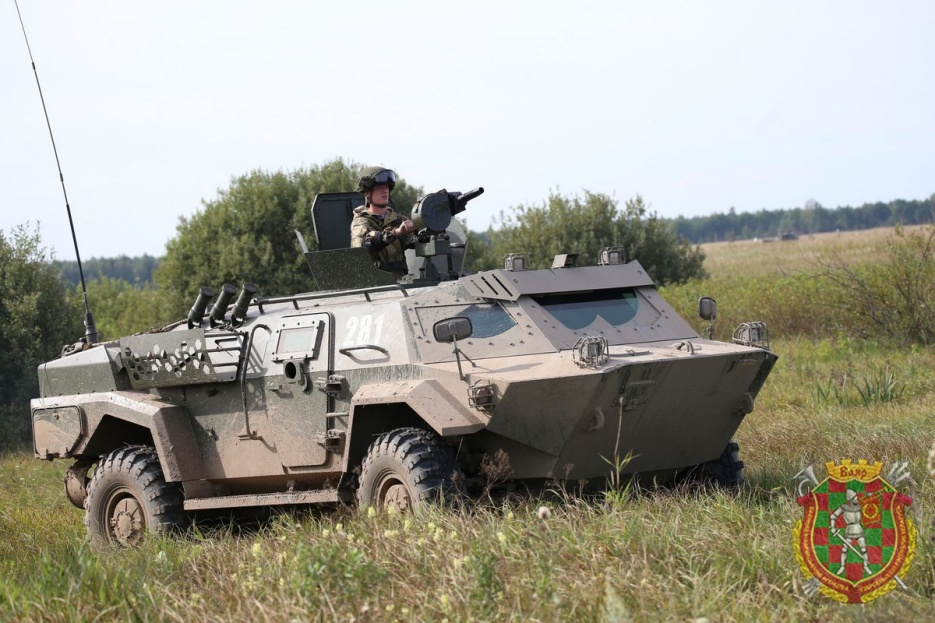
(395, 392)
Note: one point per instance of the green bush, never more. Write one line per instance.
(894, 297)
(789, 305)
(122, 308)
(247, 233)
(571, 224)
(38, 314)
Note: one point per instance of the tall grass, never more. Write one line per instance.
(663, 556)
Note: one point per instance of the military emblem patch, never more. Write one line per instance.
(854, 542)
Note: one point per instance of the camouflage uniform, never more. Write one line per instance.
(375, 233)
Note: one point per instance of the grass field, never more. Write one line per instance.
(755, 258)
(670, 555)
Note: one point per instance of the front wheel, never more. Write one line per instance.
(405, 468)
(129, 496)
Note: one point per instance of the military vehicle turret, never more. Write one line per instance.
(395, 392)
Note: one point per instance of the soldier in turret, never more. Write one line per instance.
(377, 227)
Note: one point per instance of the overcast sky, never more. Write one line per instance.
(698, 106)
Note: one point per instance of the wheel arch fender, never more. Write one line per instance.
(428, 399)
(114, 419)
(380, 407)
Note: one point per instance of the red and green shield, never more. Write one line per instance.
(889, 539)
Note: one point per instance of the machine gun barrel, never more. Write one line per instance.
(461, 203)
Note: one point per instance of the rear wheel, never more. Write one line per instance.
(128, 496)
(726, 470)
(405, 468)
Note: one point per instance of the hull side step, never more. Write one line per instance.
(265, 499)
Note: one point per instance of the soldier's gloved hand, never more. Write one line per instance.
(374, 241)
(404, 228)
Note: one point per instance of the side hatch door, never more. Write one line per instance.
(297, 410)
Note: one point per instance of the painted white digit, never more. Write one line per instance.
(378, 333)
(366, 322)
(350, 331)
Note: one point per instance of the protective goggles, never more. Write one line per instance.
(386, 176)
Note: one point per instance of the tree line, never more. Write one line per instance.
(813, 218)
(137, 270)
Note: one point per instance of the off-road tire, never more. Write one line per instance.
(407, 468)
(725, 471)
(129, 496)
(76, 481)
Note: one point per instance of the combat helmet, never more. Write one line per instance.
(371, 176)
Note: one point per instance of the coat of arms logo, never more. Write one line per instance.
(855, 542)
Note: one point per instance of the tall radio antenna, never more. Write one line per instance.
(90, 331)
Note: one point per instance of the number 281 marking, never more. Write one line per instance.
(363, 330)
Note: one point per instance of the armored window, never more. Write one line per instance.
(299, 341)
(488, 320)
(578, 310)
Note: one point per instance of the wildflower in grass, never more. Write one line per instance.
(391, 511)
(257, 549)
(444, 600)
(389, 607)
(390, 533)
(326, 533)
(501, 537)
(161, 557)
(509, 515)
(407, 523)
(340, 532)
